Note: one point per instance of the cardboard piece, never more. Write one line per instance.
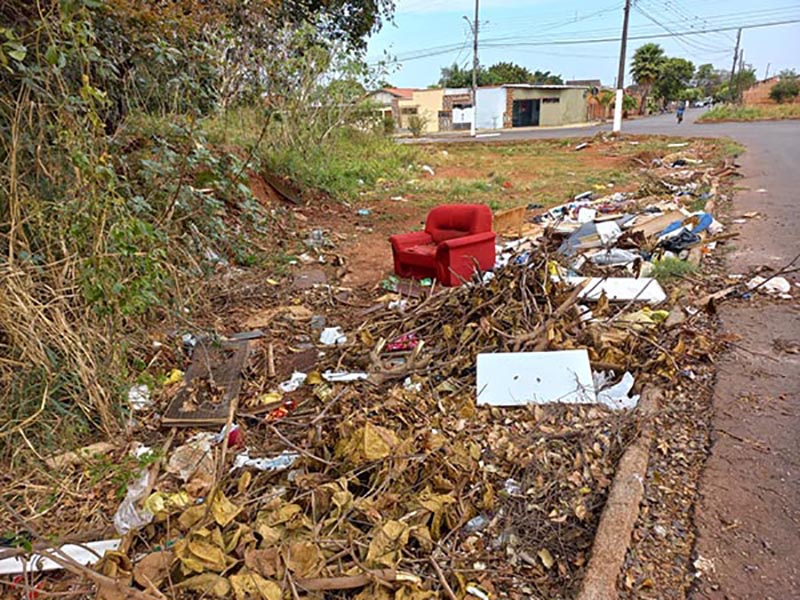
(509, 222)
(520, 378)
(85, 554)
(650, 225)
(621, 289)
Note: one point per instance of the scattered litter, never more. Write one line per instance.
(279, 463)
(478, 592)
(614, 257)
(582, 146)
(621, 289)
(139, 397)
(761, 191)
(476, 524)
(512, 487)
(617, 396)
(428, 169)
(332, 336)
(87, 553)
(677, 145)
(293, 383)
(398, 199)
(194, 463)
(363, 212)
(343, 376)
(519, 378)
(128, 516)
(776, 285)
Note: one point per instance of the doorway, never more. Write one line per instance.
(525, 113)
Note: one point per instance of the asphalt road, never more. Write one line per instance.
(747, 133)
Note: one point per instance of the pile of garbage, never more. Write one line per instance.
(453, 443)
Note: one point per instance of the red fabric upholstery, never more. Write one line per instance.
(456, 237)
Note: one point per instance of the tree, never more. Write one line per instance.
(646, 68)
(674, 77)
(709, 79)
(499, 73)
(787, 88)
(455, 77)
(606, 99)
(506, 72)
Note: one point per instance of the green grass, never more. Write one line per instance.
(729, 112)
(668, 269)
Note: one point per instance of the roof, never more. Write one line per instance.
(586, 82)
(542, 86)
(405, 93)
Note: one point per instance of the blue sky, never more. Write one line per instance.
(533, 33)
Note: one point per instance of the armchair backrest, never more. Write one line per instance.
(450, 221)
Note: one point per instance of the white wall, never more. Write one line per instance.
(462, 115)
(491, 106)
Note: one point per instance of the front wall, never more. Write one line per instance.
(571, 107)
(430, 102)
(491, 105)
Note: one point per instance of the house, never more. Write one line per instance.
(387, 99)
(528, 105)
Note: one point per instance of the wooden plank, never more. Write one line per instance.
(212, 381)
(509, 222)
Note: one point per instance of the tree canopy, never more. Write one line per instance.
(499, 73)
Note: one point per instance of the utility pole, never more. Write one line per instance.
(475, 65)
(739, 77)
(621, 74)
(733, 68)
(766, 73)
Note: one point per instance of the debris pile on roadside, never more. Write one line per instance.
(445, 443)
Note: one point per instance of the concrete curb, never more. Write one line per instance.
(621, 511)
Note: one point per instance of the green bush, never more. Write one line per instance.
(786, 90)
(416, 125)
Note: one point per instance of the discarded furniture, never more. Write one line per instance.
(458, 239)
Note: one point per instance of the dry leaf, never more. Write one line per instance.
(207, 584)
(384, 549)
(546, 558)
(224, 510)
(304, 559)
(153, 568)
(248, 585)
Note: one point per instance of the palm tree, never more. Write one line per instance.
(645, 67)
(605, 98)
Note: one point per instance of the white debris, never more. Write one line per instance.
(278, 463)
(343, 376)
(293, 383)
(332, 336)
(139, 397)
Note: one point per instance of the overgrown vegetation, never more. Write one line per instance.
(122, 191)
(670, 268)
(787, 89)
(762, 112)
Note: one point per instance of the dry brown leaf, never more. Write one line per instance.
(223, 510)
(304, 559)
(153, 568)
(206, 584)
(265, 562)
(388, 541)
(248, 585)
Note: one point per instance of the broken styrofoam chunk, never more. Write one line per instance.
(776, 285)
(332, 336)
(278, 463)
(139, 397)
(519, 378)
(343, 376)
(620, 289)
(84, 554)
(586, 214)
(293, 383)
(617, 396)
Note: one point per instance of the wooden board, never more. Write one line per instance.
(509, 222)
(195, 403)
(655, 224)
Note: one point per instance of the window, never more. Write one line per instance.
(408, 111)
(551, 100)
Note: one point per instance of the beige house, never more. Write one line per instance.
(425, 104)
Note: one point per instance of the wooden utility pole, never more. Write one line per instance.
(733, 68)
(475, 66)
(739, 76)
(621, 73)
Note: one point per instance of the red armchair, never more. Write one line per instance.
(456, 236)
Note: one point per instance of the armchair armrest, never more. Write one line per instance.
(467, 240)
(406, 240)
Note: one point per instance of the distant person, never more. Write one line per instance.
(681, 108)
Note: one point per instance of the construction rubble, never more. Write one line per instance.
(412, 446)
